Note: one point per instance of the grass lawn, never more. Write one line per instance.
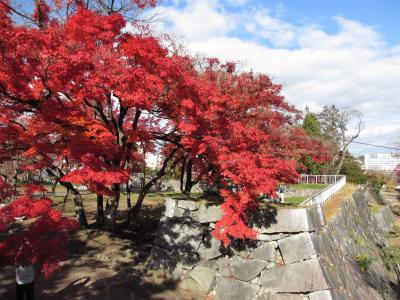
(295, 200)
(312, 186)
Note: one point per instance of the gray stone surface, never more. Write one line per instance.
(316, 216)
(320, 295)
(290, 220)
(270, 237)
(223, 266)
(301, 277)
(189, 205)
(385, 218)
(186, 260)
(243, 253)
(196, 292)
(177, 235)
(266, 251)
(246, 269)
(297, 247)
(287, 297)
(209, 214)
(170, 205)
(209, 248)
(211, 264)
(205, 277)
(161, 259)
(180, 248)
(231, 289)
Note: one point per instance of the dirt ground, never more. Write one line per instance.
(103, 265)
(332, 206)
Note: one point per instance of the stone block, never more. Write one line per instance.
(231, 289)
(193, 288)
(167, 232)
(270, 265)
(301, 277)
(290, 220)
(190, 237)
(385, 219)
(208, 214)
(186, 260)
(174, 235)
(223, 266)
(188, 204)
(209, 248)
(266, 251)
(320, 295)
(182, 209)
(270, 237)
(205, 277)
(170, 205)
(246, 269)
(297, 247)
(210, 264)
(287, 297)
(162, 259)
(316, 216)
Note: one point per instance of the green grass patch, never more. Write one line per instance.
(391, 255)
(312, 186)
(375, 208)
(295, 200)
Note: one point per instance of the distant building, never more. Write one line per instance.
(382, 161)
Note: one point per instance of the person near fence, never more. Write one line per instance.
(281, 191)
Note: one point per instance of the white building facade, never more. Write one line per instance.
(382, 161)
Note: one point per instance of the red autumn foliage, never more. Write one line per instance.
(44, 241)
(84, 91)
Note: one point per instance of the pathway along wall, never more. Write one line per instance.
(297, 255)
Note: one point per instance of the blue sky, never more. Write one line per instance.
(323, 52)
(384, 15)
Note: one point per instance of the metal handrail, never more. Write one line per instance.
(322, 196)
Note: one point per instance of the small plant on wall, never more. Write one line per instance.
(364, 261)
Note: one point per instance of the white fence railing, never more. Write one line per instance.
(336, 183)
(326, 179)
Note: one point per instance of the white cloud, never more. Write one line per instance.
(198, 20)
(353, 67)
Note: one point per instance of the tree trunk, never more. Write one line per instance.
(100, 210)
(80, 213)
(15, 174)
(65, 199)
(138, 206)
(146, 188)
(53, 187)
(339, 166)
(189, 182)
(111, 212)
(182, 176)
(128, 203)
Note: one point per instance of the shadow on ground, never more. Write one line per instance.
(105, 266)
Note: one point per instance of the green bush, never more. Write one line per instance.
(391, 256)
(364, 261)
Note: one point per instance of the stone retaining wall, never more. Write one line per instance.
(297, 255)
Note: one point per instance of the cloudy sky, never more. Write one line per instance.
(323, 52)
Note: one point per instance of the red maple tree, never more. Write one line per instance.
(86, 92)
